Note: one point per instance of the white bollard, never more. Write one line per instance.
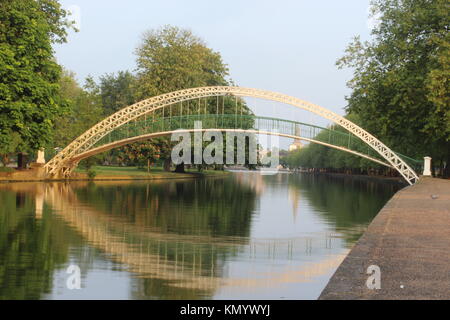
(40, 156)
(427, 167)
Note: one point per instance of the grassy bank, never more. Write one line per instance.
(107, 172)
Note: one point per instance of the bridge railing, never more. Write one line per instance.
(234, 121)
(416, 165)
(329, 136)
(225, 121)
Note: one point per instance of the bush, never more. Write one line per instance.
(91, 174)
(6, 169)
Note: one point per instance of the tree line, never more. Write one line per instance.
(322, 158)
(400, 90)
(43, 106)
(400, 87)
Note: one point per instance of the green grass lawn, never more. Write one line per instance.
(136, 172)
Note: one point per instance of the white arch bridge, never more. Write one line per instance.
(153, 117)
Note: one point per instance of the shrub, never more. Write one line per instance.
(91, 174)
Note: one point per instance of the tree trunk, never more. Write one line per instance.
(5, 159)
(21, 161)
(446, 173)
(180, 168)
(166, 164)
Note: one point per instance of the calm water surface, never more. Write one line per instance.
(246, 236)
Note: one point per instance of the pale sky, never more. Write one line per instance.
(285, 46)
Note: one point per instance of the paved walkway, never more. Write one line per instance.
(410, 241)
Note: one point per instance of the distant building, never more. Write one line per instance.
(296, 145)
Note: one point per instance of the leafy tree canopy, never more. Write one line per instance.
(29, 74)
(171, 58)
(117, 91)
(400, 84)
(84, 109)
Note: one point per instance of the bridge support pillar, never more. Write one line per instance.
(427, 167)
(40, 156)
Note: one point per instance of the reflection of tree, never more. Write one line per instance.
(213, 207)
(162, 290)
(174, 235)
(344, 202)
(30, 249)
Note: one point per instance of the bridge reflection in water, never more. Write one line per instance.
(183, 248)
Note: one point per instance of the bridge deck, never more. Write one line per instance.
(409, 240)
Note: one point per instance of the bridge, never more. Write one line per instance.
(152, 118)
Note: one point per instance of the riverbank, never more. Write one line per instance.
(408, 240)
(104, 173)
(156, 173)
(396, 180)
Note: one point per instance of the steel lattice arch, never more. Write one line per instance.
(87, 144)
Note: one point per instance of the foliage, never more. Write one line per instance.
(400, 84)
(9, 148)
(117, 91)
(140, 152)
(29, 93)
(171, 59)
(168, 59)
(322, 157)
(84, 109)
(91, 174)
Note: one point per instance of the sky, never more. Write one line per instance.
(285, 46)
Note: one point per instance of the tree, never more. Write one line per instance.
(316, 156)
(83, 109)
(117, 91)
(400, 84)
(143, 153)
(29, 75)
(171, 59)
(8, 148)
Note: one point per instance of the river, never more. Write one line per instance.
(245, 236)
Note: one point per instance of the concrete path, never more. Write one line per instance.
(410, 241)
